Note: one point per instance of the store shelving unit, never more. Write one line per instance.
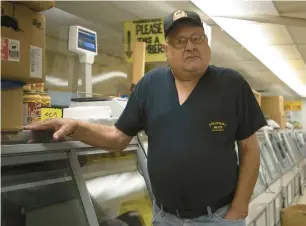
(284, 163)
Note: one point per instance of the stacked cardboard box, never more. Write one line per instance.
(294, 216)
(22, 58)
(38, 6)
(273, 106)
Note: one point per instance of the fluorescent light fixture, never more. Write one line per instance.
(208, 33)
(255, 39)
(96, 79)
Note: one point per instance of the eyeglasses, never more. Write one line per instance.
(181, 42)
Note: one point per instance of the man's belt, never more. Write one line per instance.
(194, 213)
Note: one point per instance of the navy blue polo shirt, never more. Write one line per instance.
(192, 161)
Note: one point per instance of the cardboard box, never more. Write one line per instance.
(22, 48)
(39, 6)
(11, 110)
(294, 216)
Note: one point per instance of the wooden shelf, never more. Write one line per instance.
(258, 96)
(274, 107)
(139, 58)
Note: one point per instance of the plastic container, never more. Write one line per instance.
(31, 107)
(45, 100)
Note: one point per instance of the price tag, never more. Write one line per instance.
(47, 113)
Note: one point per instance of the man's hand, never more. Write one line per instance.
(61, 127)
(236, 214)
(249, 162)
(102, 136)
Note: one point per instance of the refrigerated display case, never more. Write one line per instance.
(116, 185)
(260, 186)
(42, 190)
(70, 183)
(39, 183)
(270, 161)
(298, 140)
(290, 145)
(42, 183)
(280, 152)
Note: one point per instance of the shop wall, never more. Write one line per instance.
(111, 74)
(295, 110)
(304, 113)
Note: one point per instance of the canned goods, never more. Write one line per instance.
(45, 100)
(27, 87)
(31, 107)
(39, 87)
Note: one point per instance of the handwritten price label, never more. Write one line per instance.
(47, 113)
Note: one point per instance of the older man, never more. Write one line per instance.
(192, 113)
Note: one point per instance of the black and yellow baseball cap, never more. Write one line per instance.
(178, 16)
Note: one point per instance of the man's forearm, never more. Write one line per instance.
(97, 135)
(249, 157)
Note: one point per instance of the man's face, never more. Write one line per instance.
(187, 48)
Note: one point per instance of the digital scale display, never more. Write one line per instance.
(87, 40)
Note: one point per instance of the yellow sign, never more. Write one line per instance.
(293, 105)
(47, 113)
(150, 31)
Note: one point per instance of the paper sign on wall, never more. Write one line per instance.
(150, 31)
(10, 49)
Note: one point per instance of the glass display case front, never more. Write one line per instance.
(264, 171)
(259, 186)
(270, 161)
(117, 188)
(295, 142)
(291, 146)
(280, 152)
(40, 192)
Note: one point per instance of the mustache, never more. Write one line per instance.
(194, 53)
(192, 56)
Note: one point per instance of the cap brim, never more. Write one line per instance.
(178, 21)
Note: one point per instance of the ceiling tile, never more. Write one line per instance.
(302, 76)
(297, 64)
(302, 49)
(276, 34)
(253, 65)
(290, 6)
(218, 35)
(242, 53)
(288, 52)
(298, 34)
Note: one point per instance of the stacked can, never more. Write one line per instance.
(34, 98)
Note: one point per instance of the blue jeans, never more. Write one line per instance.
(161, 218)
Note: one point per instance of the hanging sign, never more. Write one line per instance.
(293, 105)
(150, 31)
(293, 111)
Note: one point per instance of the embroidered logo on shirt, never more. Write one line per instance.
(217, 126)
